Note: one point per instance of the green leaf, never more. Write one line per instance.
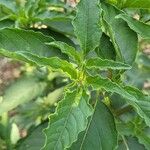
(141, 28)
(124, 39)
(144, 139)
(15, 40)
(30, 46)
(53, 62)
(54, 96)
(69, 120)
(134, 97)
(59, 24)
(137, 4)
(23, 90)
(34, 141)
(142, 105)
(106, 64)
(69, 50)
(86, 24)
(101, 132)
(9, 4)
(133, 128)
(106, 49)
(142, 75)
(6, 23)
(130, 143)
(56, 35)
(98, 82)
(141, 4)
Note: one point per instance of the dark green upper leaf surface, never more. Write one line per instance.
(34, 141)
(133, 128)
(67, 49)
(60, 24)
(31, 47)
(141, 28)
(6, 23)
(106, 64)
(69, 120)
(101, 132)
(142, 105)
(86, 25)
(106, 49)
(132, 144)
(144, 138)
(15, 40)
(56, 35)
(133, 96)
(98, 82)
(124, 39)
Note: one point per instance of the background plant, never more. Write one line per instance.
(83, 62)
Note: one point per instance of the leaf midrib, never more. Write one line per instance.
(87, 27)
(89, 124)
(66, 121)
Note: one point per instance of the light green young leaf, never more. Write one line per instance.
(101, 128)
(106, 64)
(23, 90)
(86, 24)
(124, 39)
(133, 96)
(141, 28)
(69, 120)
(69, 50)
